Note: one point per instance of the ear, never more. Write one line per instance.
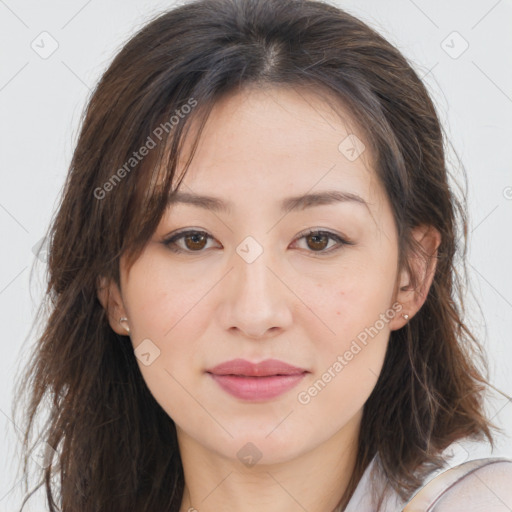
(110, 298)
(423, 266)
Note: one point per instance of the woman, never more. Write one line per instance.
(253, 296)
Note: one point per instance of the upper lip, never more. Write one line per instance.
(261, 369)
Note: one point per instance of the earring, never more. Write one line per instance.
(124, 319)
(406, 316)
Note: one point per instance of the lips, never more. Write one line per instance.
(256, 382)
(242, 367)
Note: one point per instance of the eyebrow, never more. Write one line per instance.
(301, 202)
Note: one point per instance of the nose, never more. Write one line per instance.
(256, 300)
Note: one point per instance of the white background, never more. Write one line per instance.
(41, 101)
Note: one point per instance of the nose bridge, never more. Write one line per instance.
(255, 298)
(252, 261)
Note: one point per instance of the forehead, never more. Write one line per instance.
(278, 141)
(280, 120)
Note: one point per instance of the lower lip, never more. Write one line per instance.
(257, 388)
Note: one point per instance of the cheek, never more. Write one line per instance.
(353, 297)
(350, 355)
(164, 313)
(354, 306)
(160, 301)
(168, 317)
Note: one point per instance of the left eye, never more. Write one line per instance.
(318, 240)
(195, 241)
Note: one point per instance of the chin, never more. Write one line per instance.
(257, 447)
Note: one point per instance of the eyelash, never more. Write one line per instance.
(170, 241)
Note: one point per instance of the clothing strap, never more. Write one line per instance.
(425, 499)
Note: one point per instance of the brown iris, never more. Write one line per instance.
(198, 241)
(317, 244)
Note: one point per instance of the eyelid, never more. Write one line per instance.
(170, 239)
(340, 239)
(324, 231)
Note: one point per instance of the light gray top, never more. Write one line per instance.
(362, 499)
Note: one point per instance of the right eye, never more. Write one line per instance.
(194, 240)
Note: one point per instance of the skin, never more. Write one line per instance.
(292, 303)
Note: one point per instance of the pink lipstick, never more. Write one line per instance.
(256, 381)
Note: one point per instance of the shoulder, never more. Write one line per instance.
(488, 489)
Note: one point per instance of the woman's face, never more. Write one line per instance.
(252, 283)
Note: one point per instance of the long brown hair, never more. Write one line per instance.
(115, 447)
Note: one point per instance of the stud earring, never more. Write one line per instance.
(406, 316)
(124, 319)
